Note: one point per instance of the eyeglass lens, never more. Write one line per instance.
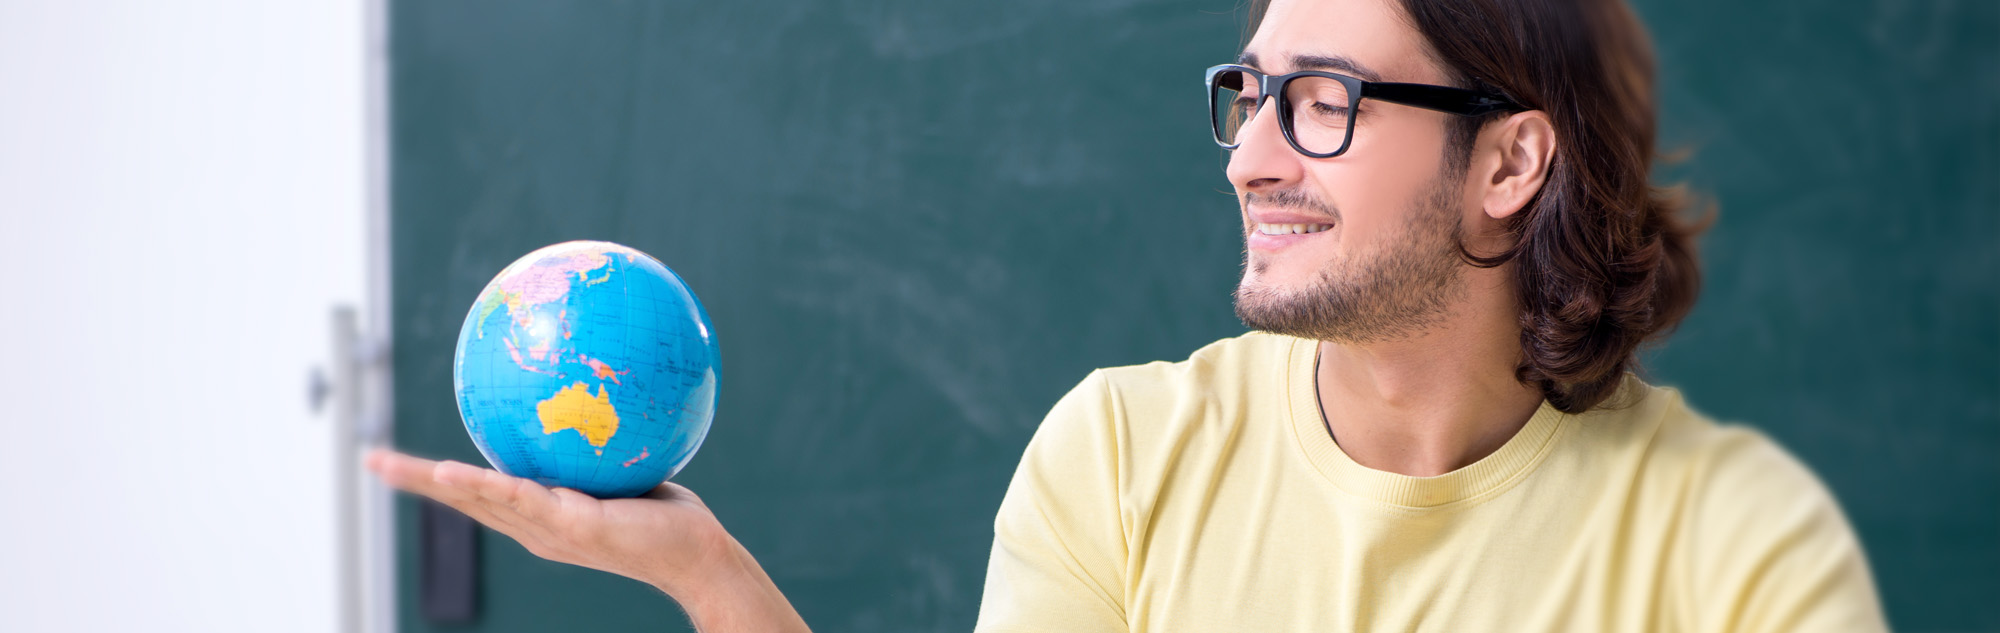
(1318, 105)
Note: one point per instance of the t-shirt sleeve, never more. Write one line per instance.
(1773, 552)
(1058, 561)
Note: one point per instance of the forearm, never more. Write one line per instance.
(736, 596)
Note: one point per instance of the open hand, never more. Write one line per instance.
(667, 537)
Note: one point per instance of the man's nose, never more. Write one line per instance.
(1262, 160)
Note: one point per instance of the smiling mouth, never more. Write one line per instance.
(1290, 229)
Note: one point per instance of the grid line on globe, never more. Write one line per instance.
(587, 365)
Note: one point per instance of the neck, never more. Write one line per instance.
(1434, 402)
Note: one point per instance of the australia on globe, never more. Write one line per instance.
(587, 365)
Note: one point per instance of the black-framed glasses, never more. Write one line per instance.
(1317, 113)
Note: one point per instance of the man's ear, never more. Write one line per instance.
(1519, 151)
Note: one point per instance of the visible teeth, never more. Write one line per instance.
(1291, 229)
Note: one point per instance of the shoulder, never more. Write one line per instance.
(1223, 369)
(1236, 351)
(1109, 428)
(1120, 415)
(1722, 470)
(1217, 375)
(1732, 467)
(1762, 539)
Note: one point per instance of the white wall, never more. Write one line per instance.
(181, 203)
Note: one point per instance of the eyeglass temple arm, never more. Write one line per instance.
(1441, 98)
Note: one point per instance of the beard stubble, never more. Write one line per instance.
(1394, 291)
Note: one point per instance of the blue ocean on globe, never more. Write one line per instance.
(587, 365)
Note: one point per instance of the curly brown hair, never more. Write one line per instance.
(1603, 261)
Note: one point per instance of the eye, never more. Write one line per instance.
(1246, 104)
(1326, 109)
(1324, 114)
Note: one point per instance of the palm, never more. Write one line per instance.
(667, 538)
(659, 536)
(668, 528)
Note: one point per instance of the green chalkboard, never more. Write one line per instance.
(912, 238)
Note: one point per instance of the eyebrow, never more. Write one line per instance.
(1318, 62)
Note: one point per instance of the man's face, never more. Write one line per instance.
(1388, 266)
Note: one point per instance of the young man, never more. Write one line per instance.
(1452, 252)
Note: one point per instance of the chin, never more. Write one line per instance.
(1261, 272)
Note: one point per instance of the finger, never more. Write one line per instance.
(526, 498)
(478, 512)
(570, 498)
(395, 468)
(412, 474)
(439, 481)
(536, 537)
(505, 498)
(446, 481)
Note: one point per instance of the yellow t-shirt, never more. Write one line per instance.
(1207, 495)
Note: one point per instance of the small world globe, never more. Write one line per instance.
(587, 365)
